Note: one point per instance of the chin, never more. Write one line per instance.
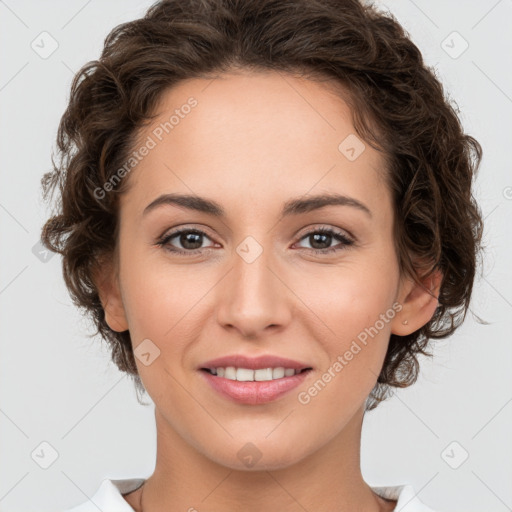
(263, 455)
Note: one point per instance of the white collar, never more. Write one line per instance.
(108, 497)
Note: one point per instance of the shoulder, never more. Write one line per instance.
(109, 496)
(406, 497)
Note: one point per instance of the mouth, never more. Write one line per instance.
(253, 380)
(247, 386)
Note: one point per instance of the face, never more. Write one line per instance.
(260, 278)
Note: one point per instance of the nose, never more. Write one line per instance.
(254, 297)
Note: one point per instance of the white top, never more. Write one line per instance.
(108, 498)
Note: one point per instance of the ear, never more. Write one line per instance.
(419, 302)
(106, 280)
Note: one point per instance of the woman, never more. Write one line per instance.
(267, 209)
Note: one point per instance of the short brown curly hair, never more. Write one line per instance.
(398, 107)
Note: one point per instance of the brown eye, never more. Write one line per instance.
(190, 240)
(321, 239)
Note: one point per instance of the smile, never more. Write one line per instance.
(241, 385)
(248, 375)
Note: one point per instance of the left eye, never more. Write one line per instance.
(324, 236)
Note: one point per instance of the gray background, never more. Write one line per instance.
(58, 386)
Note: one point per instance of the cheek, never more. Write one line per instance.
(156, 299)
(162, 301)
(350, 312)
(162, 305)
(349, 298)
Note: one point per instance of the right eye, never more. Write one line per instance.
(186, 237)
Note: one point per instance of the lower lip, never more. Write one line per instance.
(254, 392)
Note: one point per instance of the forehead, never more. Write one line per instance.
(253, 133)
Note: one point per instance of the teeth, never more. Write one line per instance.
(263, 374)
(278, 373)
(230, 373)
(248, 375)
(244, 374)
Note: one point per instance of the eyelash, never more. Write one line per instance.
(346, 242)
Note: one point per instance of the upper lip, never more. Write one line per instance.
(254, 363)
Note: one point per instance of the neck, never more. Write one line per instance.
(328, 479)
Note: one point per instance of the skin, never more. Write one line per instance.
(254, 141)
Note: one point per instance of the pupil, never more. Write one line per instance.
(185, 239)
(321, 235)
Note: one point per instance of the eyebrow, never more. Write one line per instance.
(291, 207)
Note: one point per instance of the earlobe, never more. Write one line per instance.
(110, 297)
(115, 317)
(419, 303)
